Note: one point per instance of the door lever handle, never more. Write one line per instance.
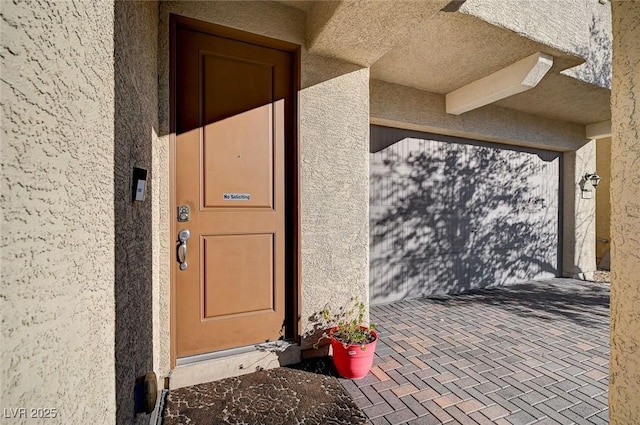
(183, 237)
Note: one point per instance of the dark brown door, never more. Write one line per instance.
(232, 99)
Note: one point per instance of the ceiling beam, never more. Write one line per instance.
(598, 130)
(515, 78)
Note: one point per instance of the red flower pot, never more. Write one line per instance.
(353, 362)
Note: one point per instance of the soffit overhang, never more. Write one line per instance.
(454, 50)
(564, 98)
(362, 31)
(415, 44)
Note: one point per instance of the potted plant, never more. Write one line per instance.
(353, 343)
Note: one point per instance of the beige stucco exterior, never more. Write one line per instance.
(335, 194)
(624, 387)
(86, 273)
(567, 35)
(362, 32)
(400, 106)
(579, 220)
(136, 240)
(603, 198)
(58, 221)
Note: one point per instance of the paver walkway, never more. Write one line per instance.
(531, 353)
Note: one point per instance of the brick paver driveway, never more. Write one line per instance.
(531, 353)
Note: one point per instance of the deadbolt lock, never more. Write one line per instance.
(183, 213)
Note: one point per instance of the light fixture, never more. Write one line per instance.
(593, 178)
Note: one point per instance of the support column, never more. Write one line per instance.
(579, 214)
(334, 179)
(624, 384)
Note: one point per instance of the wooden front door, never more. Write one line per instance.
(234, 108)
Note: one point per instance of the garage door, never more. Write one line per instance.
(448, 214)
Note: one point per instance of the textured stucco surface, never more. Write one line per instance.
(578, 27)
(334, 143)
(563, 98)
(573, 28)
(334, 126)
(57, 297)
(394, 105)
(624, 405)
(579, 215)
(597, 67)
(560, 24)
(363, 31)
(603, 196)
(135, 124)
(431, 58)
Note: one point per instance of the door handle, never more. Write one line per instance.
(183, 237)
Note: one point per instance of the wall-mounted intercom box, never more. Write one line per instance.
(139, 184)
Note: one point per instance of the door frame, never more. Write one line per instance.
(292, 171)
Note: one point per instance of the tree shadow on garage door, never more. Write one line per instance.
(448, 215)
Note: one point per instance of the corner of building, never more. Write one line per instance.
(624, 387)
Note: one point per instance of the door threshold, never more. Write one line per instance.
(218, 365)
(279, 345)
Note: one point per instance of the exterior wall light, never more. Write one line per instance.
(593, 178)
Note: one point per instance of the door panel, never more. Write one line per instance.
(233, 104)
(244, 84)
(239, 172)
(245, 290)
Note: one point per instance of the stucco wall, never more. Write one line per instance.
(135, 123)
(579, 215)
(603, 197)
(624, 407)
(334, 142)
(394, 105)
(597, 67)
(57, 302)
(334, 126)
(577, 27)
(560, 24)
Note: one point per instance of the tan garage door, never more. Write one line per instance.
(449, 214)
